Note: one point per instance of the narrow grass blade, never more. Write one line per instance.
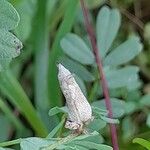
(40, 43)
(56, 51)
(13, 90)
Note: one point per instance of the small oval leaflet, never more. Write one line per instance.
(80, 112)
(10, 47)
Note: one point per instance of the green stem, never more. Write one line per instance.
(93, 91)
(103, 81)
(56, 129)
(60, 132)
(56, 18)
(9, 143)
(60, 142)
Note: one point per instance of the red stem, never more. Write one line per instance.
(101, 72)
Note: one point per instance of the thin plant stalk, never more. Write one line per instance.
(101, 72)
(10, 143)
(60, 142)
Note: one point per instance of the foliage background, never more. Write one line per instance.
(32, 76)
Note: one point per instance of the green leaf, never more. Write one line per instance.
(26, 10)
(5, 127)
(83, 137)
(97, 138)
(130, 107)
(97, 124)
(71, 147)
(148, 120)
(123, 77)
(34, 143)
(9, 17)
(81, 84)
(145, 100)
(56, 110)
(91, 137)
(4, 63)
(133, 96)
(101, 114)
(128, 128)
(9, 45)
(6, 148)
(134, 85)
(75, 47)
(9, 48)
(98, 111)
(124, 52)
(108, 22)
(92, 145)
(77, 69)
(10, 143)
(118, 106)
(55, 130)
(142, 142)
(147, 31)
(109, 120)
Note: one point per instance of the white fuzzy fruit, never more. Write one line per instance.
(80, 111)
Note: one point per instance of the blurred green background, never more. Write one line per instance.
(33, 75)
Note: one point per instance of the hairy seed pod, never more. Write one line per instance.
(80, 111)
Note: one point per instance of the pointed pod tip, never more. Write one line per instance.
(59, 65)
(62, 71)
